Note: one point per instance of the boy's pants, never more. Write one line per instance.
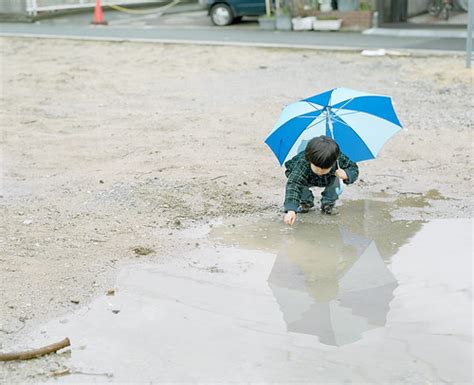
(328, 196)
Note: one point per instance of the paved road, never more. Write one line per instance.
(194, 26)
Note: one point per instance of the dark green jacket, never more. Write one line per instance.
(300, 175)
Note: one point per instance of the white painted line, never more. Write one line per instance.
(453, 33)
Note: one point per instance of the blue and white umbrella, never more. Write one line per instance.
(359, 122)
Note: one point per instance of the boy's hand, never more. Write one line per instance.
(289, 218)
(340, 173)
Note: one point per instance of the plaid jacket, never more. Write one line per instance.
(298, 171)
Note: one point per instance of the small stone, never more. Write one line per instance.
(110, 292)
(140, 250)
(27, 222)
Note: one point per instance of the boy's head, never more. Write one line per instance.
(322, 152)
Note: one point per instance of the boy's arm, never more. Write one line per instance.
(297, 179)
(350, 167)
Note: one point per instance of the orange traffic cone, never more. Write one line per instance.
(98, 14)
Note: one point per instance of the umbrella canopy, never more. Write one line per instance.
(359, 122)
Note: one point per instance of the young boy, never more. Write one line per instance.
(320, 164)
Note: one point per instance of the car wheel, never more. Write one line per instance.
(221, 14)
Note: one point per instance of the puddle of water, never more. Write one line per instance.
(329, 300)
(414, 200)
(331, 276)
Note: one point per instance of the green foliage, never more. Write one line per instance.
(300, 7)
(365, 6)
(284, 11)
(327, 17)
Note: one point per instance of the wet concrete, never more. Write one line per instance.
(353, 298)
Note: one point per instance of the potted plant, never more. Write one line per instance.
(303, 23)
(327, 23)
(283, 17)
(267, 22)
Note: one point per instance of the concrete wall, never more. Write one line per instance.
(19, 6)
(45, 3)
(13, 10)
(13, 6)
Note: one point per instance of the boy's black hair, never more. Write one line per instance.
(322, 151)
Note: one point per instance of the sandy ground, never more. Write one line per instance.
(108, 147)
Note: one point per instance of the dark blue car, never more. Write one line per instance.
(225, 12)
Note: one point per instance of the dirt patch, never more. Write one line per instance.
(107, 146)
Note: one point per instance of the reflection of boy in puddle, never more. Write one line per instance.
(322, 256)
(335, 285)
(330, 271)
(321, 261)
(321, 164)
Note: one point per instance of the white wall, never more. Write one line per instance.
(13, 6)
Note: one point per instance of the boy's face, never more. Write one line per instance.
(319, 171)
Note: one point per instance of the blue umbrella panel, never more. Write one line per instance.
(360, 123)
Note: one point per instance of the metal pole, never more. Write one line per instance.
(470, 16)
(380, 10)
(340, 187)
(268, 8)
(329, 122)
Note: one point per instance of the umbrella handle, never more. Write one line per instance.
(340, 188)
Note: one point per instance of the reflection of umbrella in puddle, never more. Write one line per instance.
(358, 298)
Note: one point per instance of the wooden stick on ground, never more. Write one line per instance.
(35, 352)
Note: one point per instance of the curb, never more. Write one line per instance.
(397, 52)
(452, 33)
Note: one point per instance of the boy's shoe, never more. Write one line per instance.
(329, 210)
(305, 207)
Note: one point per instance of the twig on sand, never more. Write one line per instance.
(408, 192)
(60, 372)
(35, 352)
(109, 375)
(218, 177)
(390, 175)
